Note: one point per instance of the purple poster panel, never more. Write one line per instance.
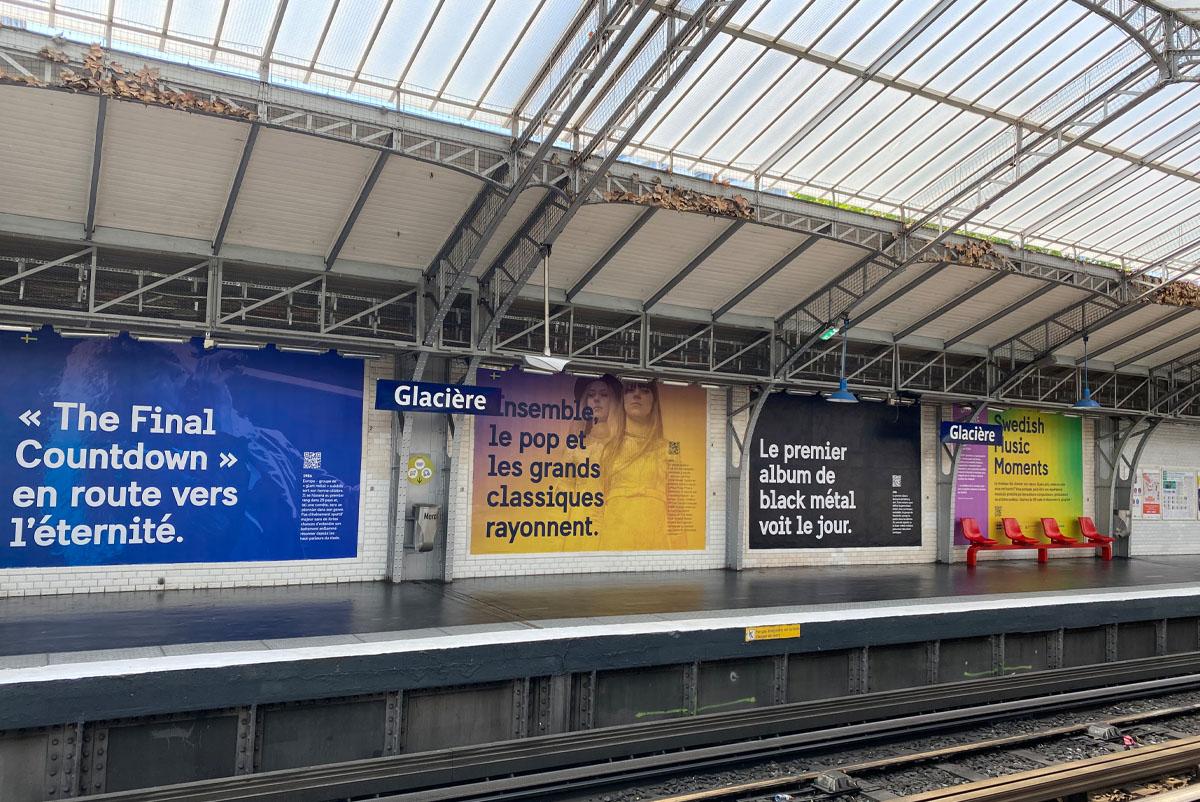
(971, 487)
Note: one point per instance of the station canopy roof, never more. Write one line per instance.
(898, 121)
(877, 107)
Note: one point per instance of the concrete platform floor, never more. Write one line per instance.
(106, 621)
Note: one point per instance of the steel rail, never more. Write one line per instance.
(1065, 780)
(791, 782)
(545, 764)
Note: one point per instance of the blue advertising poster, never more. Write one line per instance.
(116, 451)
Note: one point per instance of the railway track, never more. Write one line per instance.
(570, 763)
(1129, 760)
(1078, 777)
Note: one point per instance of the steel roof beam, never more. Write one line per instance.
(934, 269)
(957, 300)
(1133, 335)
(24, 274)
(666, 66)
(89, 226)
(1121, 175)
(579, 76)
(1138, 357)
(268, 51)
(359, 202)
(555, 53)
(236, 187)
(766, 276)
(825, 60)
(1092, 103)
(628, 234)
(691, 266)
(997, 316)
(1111, 310)
(872, 69)
(515, 238)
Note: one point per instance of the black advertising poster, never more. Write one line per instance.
(826, 475)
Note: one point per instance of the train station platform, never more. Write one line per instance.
(85, 627)
(317, 674)
(242, 646)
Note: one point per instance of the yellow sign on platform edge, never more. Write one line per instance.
(773, 632)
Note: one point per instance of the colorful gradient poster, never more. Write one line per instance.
(581, 463)
(1037, 473)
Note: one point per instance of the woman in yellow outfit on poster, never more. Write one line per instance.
(635, 497)
(602, 439)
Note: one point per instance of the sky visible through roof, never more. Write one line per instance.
(779, 100)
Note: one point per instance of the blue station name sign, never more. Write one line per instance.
(452, 399)
(973, 434)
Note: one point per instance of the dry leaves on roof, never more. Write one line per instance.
(103, 76)
(1179, 293)
(53, 54)
(14, 78)
(686, 200)
(976, 253)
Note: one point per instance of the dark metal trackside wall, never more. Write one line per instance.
(102, 755)
(42, 703)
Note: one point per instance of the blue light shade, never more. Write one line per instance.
(1087, 402)
(842, 394)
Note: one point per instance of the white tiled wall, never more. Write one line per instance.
(369, 564)
(926, 552)
(1172, 445)
(461, 563)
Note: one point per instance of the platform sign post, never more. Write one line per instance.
(451, 399)
(972, 434)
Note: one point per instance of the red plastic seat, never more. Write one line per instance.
(1050, 528)
(1088, 528)
(1012, 530)
(973, 534)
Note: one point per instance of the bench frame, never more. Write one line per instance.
(1043, 549)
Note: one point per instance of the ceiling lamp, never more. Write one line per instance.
(544, 362)
(1086, 402)
(842, 394)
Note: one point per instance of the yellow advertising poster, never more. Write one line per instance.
(589, 463)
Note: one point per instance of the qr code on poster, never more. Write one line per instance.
(673, 447)
(312, 460)
(895, 480)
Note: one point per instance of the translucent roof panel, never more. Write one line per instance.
(898, 107)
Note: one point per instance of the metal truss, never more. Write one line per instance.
(1038, 342)
(79, 290)
(105, 290)
(589, 48)
(1168, 40)
(1078, 110)
(477, 153)
(488, 155)
(634, 93)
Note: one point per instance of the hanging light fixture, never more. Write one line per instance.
(544, 362)
(1086, 402)
(842, 394)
